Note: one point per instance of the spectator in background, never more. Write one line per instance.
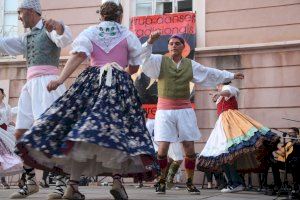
(9, 162)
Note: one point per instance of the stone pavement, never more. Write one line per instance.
(102, 193)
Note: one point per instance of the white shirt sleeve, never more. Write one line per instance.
(12, 45)
(61, 40)
(209, 77)
(82, 44)
(135, 49)
(151, 62)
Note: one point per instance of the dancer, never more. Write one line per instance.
(10, 164)
(147, 90)
(41, 47)
(97, 127)
(175, 119)
(237, 142)
(175, 155)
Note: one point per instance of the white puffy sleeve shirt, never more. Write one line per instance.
(17, 45)
(204, 76)
(83, 44)
(234, 92)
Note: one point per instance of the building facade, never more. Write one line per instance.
(257, 37)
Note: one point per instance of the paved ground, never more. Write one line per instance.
(102, 193)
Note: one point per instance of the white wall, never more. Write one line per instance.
(199, 8)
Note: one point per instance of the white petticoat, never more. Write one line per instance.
(104, 160)
(10, 164)
(217, 141)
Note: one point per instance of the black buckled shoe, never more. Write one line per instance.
(191, 188)
(160, 188)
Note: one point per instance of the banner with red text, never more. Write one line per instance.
(183, 24)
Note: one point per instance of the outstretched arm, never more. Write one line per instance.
(12, 46)
(211, 77)
(73, 62)
(151, 62)
(146, 53)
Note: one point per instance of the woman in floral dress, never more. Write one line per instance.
(97, 127)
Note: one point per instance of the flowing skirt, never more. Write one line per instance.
(237, 138)
(10, 163)
(99, 121)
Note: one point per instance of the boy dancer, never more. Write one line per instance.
(175, 118)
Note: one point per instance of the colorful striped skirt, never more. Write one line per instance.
(237, 138)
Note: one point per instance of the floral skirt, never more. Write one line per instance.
(237, 138)
(101, 125)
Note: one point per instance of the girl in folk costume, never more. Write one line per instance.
(10, 163)
(97, 127)
(237, 143)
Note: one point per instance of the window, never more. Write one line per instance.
(185, 5)
(163, 6)
(151, 7)
(144, 7)
(9, 18)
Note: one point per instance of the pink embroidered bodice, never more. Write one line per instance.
(118, 54)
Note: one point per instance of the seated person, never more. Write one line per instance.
(289, 154)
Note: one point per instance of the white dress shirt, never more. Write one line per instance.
(204, 76)
(17, 45)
